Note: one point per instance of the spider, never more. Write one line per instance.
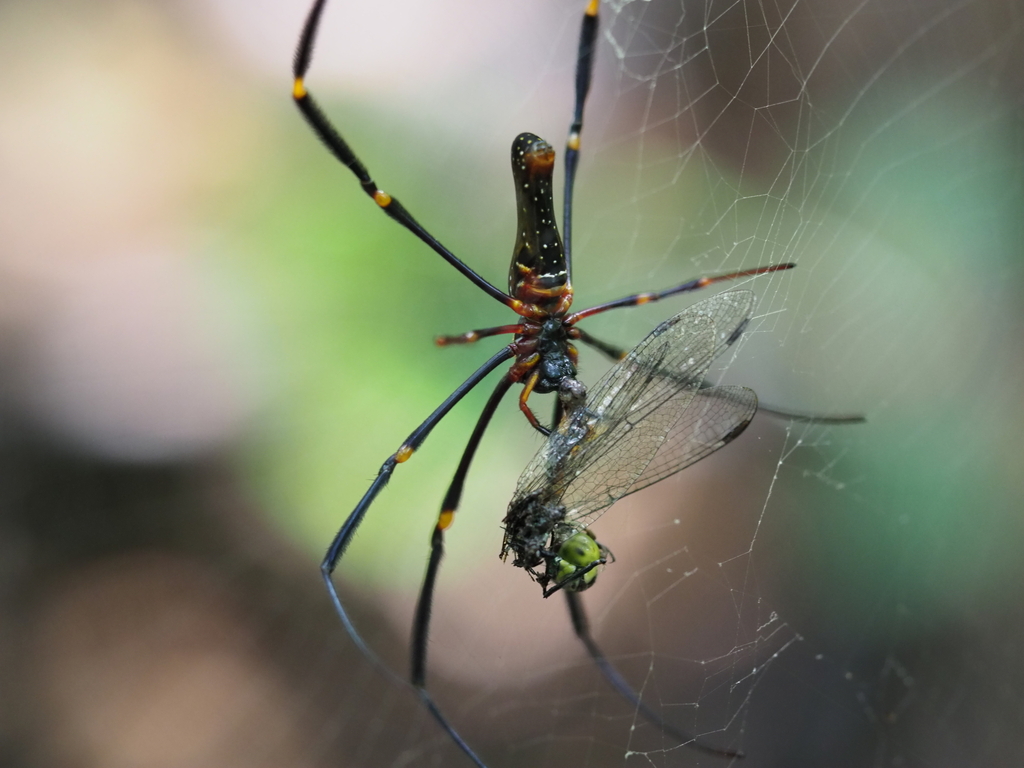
(542, 354)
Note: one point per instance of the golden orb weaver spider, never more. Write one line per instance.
(543, 361)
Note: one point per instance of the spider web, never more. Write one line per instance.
(810, 594)
(813, 595)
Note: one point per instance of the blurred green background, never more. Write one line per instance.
(211, 340)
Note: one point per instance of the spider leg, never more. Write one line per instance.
(581, 627)
(810, 418)
(330, 136)
(348, 528)
(531, 382)
(584, 71)
(421, 622)
(579, 574)
(472, 336)
(609, 350)
(556, 417)
(691, 285)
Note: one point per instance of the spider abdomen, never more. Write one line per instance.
(538, 274)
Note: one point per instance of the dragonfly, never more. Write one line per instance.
(652, 415)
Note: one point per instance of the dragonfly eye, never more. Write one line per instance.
(577, 560)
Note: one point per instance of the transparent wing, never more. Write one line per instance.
(647, 418)
(673, 353)
(730, 313)
(611, 440)
(698, 427)
(714, 417)
(671, 360)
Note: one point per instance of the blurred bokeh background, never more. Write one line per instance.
(210, 340)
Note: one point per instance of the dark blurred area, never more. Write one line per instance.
(210, 339)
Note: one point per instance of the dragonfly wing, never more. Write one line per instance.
(671, 361)
(635, 413)
(675, 355)
(730, 313)
(714, 418)
(692, 427)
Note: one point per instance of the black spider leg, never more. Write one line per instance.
(556, 417)
(348, 529)
(584, 72)
(577, 576)
(329, 135)
(581, 627)
(421, 622)
(689, 286)
(606, 349)
(617, 353)
(811, 418)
